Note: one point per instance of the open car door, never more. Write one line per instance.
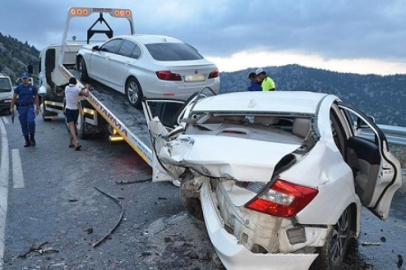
(377, 172)
(165, 121)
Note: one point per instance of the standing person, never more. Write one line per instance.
(27, 96)
(267, 83)
(254, 85)
(72, 93)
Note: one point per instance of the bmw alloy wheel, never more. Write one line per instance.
(133, 92)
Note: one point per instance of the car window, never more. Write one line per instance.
(136, 53)
(111, 46)
(167, 112)
(361, 125)
(126, 48)
(173, 52)
(5, 85)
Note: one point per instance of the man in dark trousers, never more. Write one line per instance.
(27, 96)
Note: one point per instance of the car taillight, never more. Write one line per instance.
(283, 199)
(214, 74)
(168, 76)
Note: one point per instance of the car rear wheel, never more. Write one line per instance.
(331, 255)
(133, 92)
(83, 70)
(189, 196)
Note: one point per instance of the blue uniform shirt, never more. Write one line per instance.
(254, 87)
(26, 93)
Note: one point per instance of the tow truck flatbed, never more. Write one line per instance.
(128, 121)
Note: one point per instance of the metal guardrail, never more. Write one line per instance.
(394, 134)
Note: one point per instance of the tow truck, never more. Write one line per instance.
(105, 110)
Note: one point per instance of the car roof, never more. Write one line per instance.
(148, 39)
(273, 101)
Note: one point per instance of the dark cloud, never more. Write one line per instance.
(332, 29)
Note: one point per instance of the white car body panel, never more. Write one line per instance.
(278, 101)
(219, 156)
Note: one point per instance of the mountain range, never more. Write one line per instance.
(382, 97)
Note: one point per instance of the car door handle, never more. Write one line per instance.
(127, 63)
(107, 57)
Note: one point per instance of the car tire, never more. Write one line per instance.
(189, 196)
(331, 255)
(133, 92)
(83, 70)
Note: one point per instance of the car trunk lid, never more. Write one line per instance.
(192, 72)
(227, 157)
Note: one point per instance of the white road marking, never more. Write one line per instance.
(5, 119)
(18, 179)
(4, 179)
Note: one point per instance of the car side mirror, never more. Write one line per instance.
(95, 48)
(362, 124)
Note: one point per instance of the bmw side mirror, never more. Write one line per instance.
(95, 48)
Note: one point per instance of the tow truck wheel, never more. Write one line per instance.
(133, 92)
(45, 113)
(80, 124)
(83, 70)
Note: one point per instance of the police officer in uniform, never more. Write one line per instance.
(27, 95)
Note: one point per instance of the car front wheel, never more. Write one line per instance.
(331, 255)
(133, 92)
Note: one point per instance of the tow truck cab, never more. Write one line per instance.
(51, 81)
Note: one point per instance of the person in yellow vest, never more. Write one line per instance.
(267, 83)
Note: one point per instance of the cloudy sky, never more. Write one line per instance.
(362, 36)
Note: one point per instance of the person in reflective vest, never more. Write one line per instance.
(267, 83)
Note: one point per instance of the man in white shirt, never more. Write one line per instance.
(72, 93)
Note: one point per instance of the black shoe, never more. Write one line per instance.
(27, 141)
(32, 140)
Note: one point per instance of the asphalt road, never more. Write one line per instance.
(57, 211)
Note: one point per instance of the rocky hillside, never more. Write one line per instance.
(15, 56)
(383, 97)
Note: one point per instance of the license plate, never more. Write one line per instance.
(7, 101)
(194, 78)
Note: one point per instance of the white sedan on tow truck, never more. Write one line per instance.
(149, 66)
(278, 177)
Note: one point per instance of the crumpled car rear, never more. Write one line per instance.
(241, 237)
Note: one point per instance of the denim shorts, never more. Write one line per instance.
(71, 115)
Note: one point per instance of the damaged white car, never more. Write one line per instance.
(279, 177)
